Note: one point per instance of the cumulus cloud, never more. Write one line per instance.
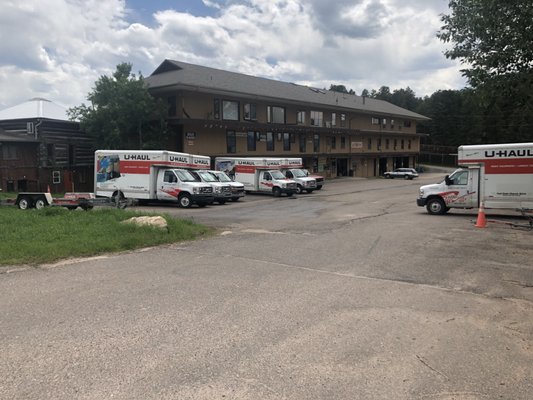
(58, 48)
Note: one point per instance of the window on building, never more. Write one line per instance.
(395, 144)
(251, 140)
(333, 142)
(275, 115)
(409, 144)
(343, 142)
(250, 112)
(300, 117)
(303, 142)
(402, 145)
(230, 110)
(316, 142)
(317, 118)
(333, 119)
(270, 145)
(369, 144)
(216, 108)
(384, 122)
(392, 124)
(50, 154)
(172, 106)
(375, 121)
(379, 144)
(9, 152)
(231, 142)
(407, 124)
(71, 154)
(387, 143)
(286, 142)
(343, 120)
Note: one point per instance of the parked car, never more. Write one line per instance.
(318, 178)
(405, 173)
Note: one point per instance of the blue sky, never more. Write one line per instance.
(362, 44)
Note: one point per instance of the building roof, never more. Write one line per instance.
(179, 75)
(35, 108)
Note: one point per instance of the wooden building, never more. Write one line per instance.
(40, 149)
(220, 113)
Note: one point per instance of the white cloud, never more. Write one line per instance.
(58, 48)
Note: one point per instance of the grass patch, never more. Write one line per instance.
(54, 233)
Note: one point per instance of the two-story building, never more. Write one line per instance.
(220, 113)
(41, 149)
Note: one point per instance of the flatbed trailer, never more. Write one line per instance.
(38, 200)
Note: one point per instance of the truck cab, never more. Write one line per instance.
(221, 191)
(457, 190)
(237, 188)
(275, 182)
(303, 182)
(179, 184)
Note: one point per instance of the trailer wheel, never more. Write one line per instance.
(184, 200)
(276, 192)
(25, 203)
(299, 189)
(436, 206)
(39, 204)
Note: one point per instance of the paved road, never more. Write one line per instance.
(351, 292)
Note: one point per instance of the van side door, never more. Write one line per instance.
(167, 185)
(265, 181)
(463, 189)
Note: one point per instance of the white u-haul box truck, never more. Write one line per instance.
(151, 175)
(296, 173)
(498, 175)
(259, 175)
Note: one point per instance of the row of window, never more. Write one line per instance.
(289, 138)
(229, 110)
(383, 123)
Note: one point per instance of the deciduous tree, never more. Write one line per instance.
(122, 114)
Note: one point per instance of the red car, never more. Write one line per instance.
(319, 179)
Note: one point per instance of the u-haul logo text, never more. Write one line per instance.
(508, 153)
(140, 157)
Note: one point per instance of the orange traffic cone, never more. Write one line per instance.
(481, 219)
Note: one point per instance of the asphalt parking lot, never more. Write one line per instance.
(351, 292)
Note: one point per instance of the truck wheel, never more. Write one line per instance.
(299, 189)
(309, 190)
(436, 206)
(407, 177)
(289, 194)
(117, 197)
(234, 199)
(184, 200)
(276, 192)
(25, 203)
(221, 202)
(319, 187)
(40, 203)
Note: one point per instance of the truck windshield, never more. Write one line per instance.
(222, 177)
(206, 176)
(184, 176)
(277, 175)
(298, 173)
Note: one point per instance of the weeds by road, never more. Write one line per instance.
(53, 233)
